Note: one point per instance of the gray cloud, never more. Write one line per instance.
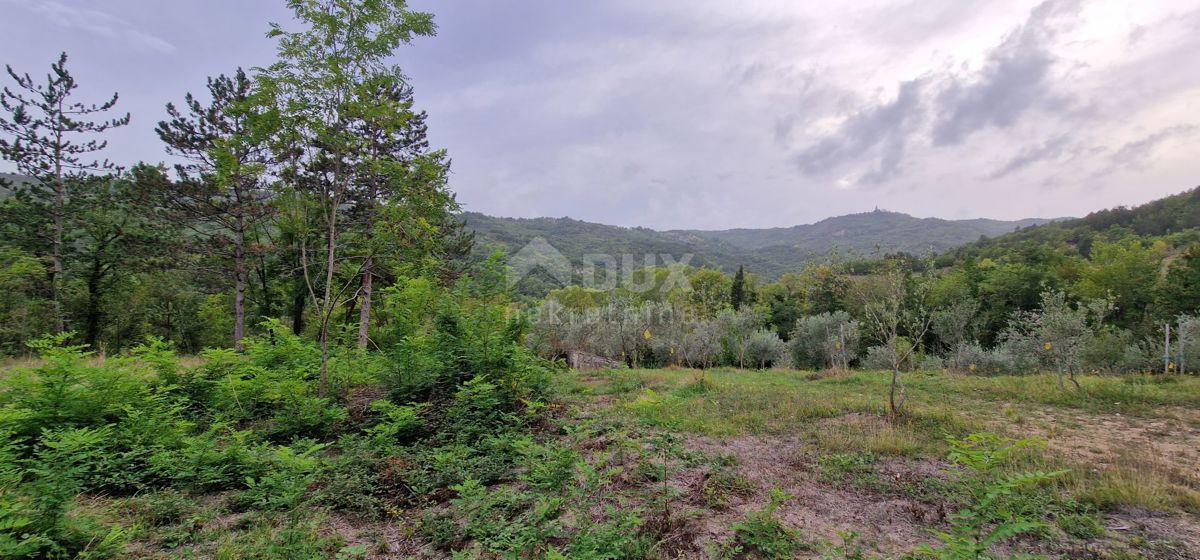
(879, 132)
(708, 114)
(1136, 153)
(1014, 80)
(1049, 150)
(96, 22)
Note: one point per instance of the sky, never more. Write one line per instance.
(707, 114)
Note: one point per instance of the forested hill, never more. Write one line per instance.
(1176, 215)
(768, 252)
(862, 232)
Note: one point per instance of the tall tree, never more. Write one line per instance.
(220, 190)
(121, 232)
(326, 78)
(51, 138)
(1179, 290)
(737, 292)
(399, 201)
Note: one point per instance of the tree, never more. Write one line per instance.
(709, 292)
(1058, 332)
(737, 329)
(1179, 291)
(1127, 272)
(220, 191)
(894, 308)
(51, 139)
(399, 204)
(784, 302)
(737, 292)
(120, 231)
(954, 325)
(325, 79)
(825, 340)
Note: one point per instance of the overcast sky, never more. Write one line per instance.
(715, 114)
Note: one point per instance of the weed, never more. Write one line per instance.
(762, 535)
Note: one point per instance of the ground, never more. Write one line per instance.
(711, 461)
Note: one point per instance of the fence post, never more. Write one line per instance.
(1166, 348)
(1179, 344)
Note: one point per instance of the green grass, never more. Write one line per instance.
(845, 416)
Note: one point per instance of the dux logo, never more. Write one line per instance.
(539, 253)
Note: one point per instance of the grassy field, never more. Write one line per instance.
(1130, 447)
(662, 463)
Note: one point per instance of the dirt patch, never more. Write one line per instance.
(397, 538)
(1169, 443)
(1156, 536)
(886, 524)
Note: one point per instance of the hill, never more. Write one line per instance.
(1175, 217)
(769, 252)
(894, 231)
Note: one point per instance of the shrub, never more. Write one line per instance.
(289, 472)
(972, 358)
(764, 349)
(988, 518)
(701, 346)
(1081, 525)
(762, 534)
(825, 340)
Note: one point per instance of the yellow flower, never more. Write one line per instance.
(646, 334)
(972, 367)
(1048, 346)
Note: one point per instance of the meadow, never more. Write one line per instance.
(225, 455)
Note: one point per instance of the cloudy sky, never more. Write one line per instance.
(714, 114)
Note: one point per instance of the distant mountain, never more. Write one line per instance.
(769, 252)
(891, 231)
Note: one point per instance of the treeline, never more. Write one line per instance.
(303, 188)
(1039, 304)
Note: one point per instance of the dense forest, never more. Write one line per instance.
(292, 343)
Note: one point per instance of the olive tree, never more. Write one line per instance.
(1058, 333)
(893, 304)
(825, 340)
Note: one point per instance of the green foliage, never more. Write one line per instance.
(762, 535)
(825, 340)
(1084, 526)
(989, 516)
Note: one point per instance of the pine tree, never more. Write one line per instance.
(220, 191)
(51, 139)
(399, 200)
(737, 292)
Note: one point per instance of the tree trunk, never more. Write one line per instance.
(327, 304)
(364, 310)
(299, 302)
(239, 291)
(60, 209)
(896, 393)
(92, 321)
(56, 270)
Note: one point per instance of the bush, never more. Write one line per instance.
(879, 358)
(989, 516)
(972, 358)
(825, 340)
(1084, 526)
(701, 346)
(764, 349)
